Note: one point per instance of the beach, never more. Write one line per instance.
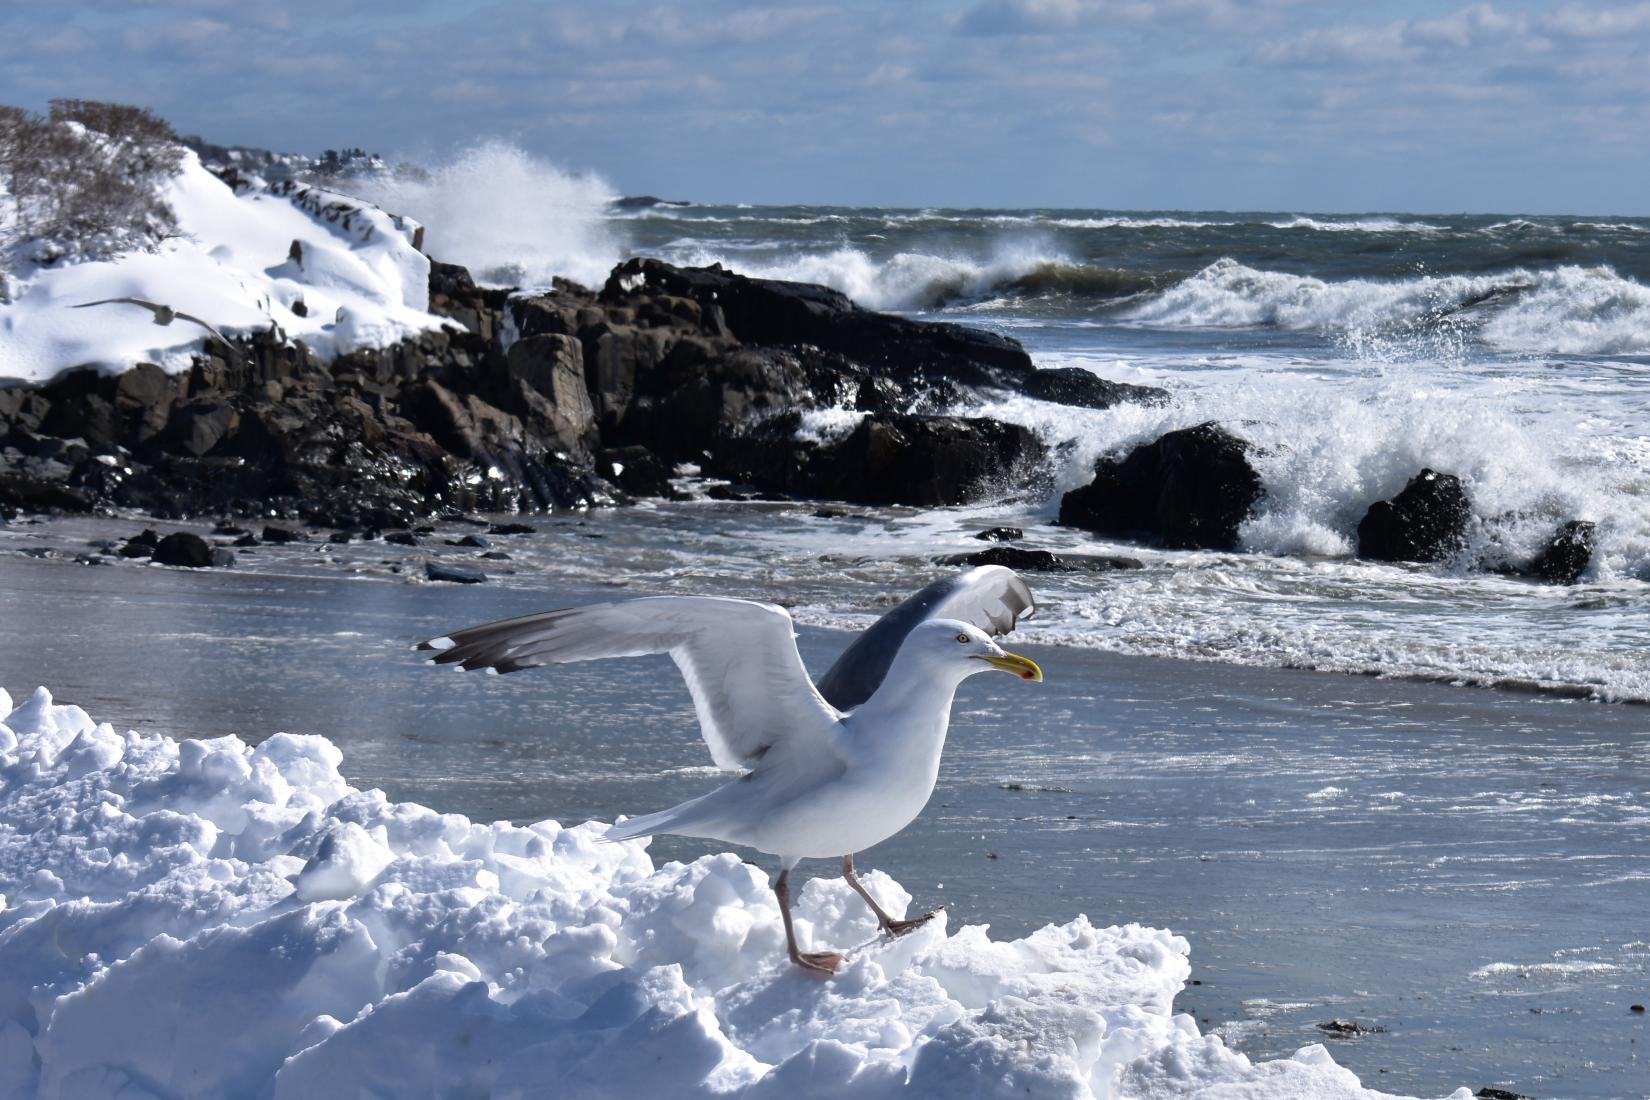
(1452, 866)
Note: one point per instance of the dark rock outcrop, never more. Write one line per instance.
(781, 314)
(183, 548)
(1189, 489)
(1076, 386)
(891, 458)
(563, 399)
(1041, 561)
(1425, 522)
(1567, 554)
(636, 470)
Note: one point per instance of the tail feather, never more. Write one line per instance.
(677, 819)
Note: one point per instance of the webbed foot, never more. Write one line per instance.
(818, 962)
(898, 928)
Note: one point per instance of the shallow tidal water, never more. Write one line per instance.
(1463, 868)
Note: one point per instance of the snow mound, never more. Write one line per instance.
(208, 919)
(327, 269)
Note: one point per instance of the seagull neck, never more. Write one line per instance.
(910, 688)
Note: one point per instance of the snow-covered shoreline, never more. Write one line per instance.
(330, 270)
(202, 918)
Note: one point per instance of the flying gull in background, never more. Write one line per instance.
(164, 315)
(829, 770)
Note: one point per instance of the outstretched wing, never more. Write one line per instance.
(991, 597)
(739, 659)
(152, 307)
(216, 335)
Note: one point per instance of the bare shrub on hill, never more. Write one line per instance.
(83, 181)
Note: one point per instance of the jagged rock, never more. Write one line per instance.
(1567, 554)
(1000, 534)
(1189, 489)
(183, 548)
(1347, 1029)
(636, 470)
(141, 545)
(281, 534)
(475, 542)
(1427, 521)
(1076, 386)
(511, 529)
(1041, 561)
(450, 280)
(401, 538)
(549, 369)
(892, 458)
(679, 361)
(774, 313)
(198, 425)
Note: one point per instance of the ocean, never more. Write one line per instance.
(1354, 351)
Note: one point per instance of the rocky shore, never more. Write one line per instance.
(531, 403)
(581, 397)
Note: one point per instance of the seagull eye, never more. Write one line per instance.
(964, 639)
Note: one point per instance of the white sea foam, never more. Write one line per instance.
(1357, 225)
(512, 218)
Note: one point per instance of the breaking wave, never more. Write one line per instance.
(921, 280)
(512, 218)
(1568, 310)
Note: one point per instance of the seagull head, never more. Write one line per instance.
(965, 649)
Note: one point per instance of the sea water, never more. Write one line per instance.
(1462, 868)
(1353, 351)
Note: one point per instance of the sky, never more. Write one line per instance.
(1303, 105)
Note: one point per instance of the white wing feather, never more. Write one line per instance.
(739, 658)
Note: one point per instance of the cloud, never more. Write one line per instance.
(1465, 28)
(1077, 102)
(994, 17)
(1578, 21)
(1396, 42)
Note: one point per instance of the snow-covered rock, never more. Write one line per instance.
(338, 273)
(208, 919)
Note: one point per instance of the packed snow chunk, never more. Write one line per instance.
(347, 859)
(337, 273)
(205, 919)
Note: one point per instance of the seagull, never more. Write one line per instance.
(164, 314)
(828, 769)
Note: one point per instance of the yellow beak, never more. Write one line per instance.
(1023, 667)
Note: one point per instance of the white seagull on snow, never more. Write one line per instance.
(830, 769)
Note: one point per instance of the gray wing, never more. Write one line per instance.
(992, 597)
(220, 337)
(739, 658)
(152, 307)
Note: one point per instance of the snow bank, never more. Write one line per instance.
(354, 269)
(206, 919)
